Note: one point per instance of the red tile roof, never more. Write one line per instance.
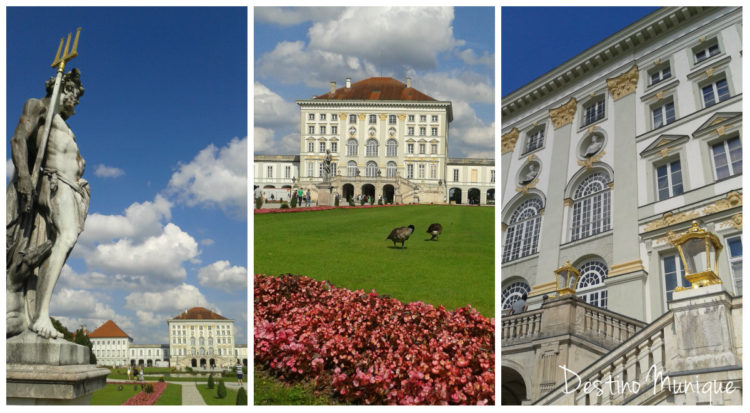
(108, 330)
(199, 313)
(377, 88)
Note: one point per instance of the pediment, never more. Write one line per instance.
(663, 142)
(716, 120)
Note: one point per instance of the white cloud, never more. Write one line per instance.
(9, 169)
(470, 57)
(215, 177)
(104, 171)
(223, 276)
(171, 302)
(149, 319)
(74, 308)
(265, 142)
(455, 86)
(207, 241)
(140, 220)
(271, 110)
(288, 16)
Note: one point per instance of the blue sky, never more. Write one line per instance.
(163, 129)
(535, 40)
(448, 52)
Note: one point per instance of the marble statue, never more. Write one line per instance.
(530, 174)
(327, 166)
(46, 204)
(596, 143)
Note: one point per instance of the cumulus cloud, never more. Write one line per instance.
(265, 142)
(271, 110)
(79, 307)
(289, 16)
(171, 301)
(469, 56)
(104, 171)
(223, 276)
(140, 220)
(9, 169)
(216, 177)
(457, 86)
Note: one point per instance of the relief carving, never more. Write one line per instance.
(508, 141)
(564, 114)
(624, 84)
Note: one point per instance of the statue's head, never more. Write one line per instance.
(70, 90)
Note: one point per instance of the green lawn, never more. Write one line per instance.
(172, 396)
(110, 396)
(269, 391)
(348, 248)
(209, 395)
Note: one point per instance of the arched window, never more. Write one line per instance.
(351, 147)
(591, 288)
(210, 341)
(522, 235)
(591, 206)
(371, 169)
(514, 292)
(391, 148)
(372, 147)
(391, 169)
(351, 168)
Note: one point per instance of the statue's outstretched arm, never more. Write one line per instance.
(19, 144)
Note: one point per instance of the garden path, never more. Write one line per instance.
(190, 395)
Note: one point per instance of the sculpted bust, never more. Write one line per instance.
(594, 146)
(530, 174)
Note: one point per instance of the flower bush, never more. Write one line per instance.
(370, 348)
(144, 398)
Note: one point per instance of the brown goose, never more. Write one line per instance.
(400, 234)
(435, 229)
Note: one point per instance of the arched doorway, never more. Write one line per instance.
(269, 186)
(454, 195)
(203, 363)
(149, 363)
(474, 196)
(141, 363)
(388, 194)
(194, 363)
(212, 363)
(348, 190)
(514, 388)
(368, 190)
(491, 196)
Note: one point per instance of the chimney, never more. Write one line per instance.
(333, 87)
(348, 82)
(408, 82)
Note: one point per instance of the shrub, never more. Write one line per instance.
(119, 388)
(372, 201)
(161, 379)
(221, 390)
(259, 202)
(149, 388)
(241, 397)
(362, 201)
(284, 205)
(210, 381)
(351, 201)
(189, 369)
(294, 200)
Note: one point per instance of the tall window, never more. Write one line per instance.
(410, 171)
(310, 169)
(334, 117)
(522, 235)
(373, 118)
(422, 148)
(322, 116)
(434, 131)
(351, 168)
(352, 118)
(310, 146)
(715, 92)
(372, 147)
(334, 147)
(593, 111)
(735, 262)
(672, 280)
(660, 74)
(322, 147)
(423, 118)
(311, 130)
(410, 131)
(455, 175)
(409, 148)
(534, 140)
(433, 171)
(310, 116)
(669, 180)
(492, 175)
(434, 118)
(704, 52)
(371, 169)
(351, 147)
(663, 114)
(727, 166)
(591, 288)
(322, 130)
(287, 172)
(591, 206)
(513, 293)
(411, 118)
(391, 147)
(390, 169)
(334, 130)
(269, 172)
(391, 119)
(422, 131)
(420, 170)
(433, 148)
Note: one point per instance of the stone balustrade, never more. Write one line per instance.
(521, 327)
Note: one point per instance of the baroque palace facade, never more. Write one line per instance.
(606, 160)
(386, 139)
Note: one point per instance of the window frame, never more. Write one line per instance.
(585, 222)
(731, 165)
(662, 107)
(671, 187)
(534, 140)
(733, 260)
(523, 230)
(596, 294)
(598, 114)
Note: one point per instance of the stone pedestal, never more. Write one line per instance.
(42, 371)
(325, 198)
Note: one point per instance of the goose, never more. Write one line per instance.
(435, 229)
(400, 234)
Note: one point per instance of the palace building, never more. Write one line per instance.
(110, 345)
(386, 139)
(201, 338)
(607, 160)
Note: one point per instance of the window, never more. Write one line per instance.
(351, 168)
(390, 169)
(513, 293)
(433, 171)
(311, 130)
(334, 130)
(322, 116)
(669, 180)
(706, 50)
(322, 130)
(735, 262)
(410, 171)
(422, 131)
(311, 146)
(310, 169)
(433, 148)
(727, 167)
(591, 206)
(715, 92)
(662, 114)
(434, 131)
(411, 118)
(320, 168)
(311, 116)
(492, 175)
(671, 280)
(420, 170)
(422, 147)
(333, 168)
(391, 147)
(410, 148)
(269, 172)
(351, 147)
(287, 172)
(391, 119)
(434, 118)
(455, 175)
(423, 118)
(593, 111)
(371, 169)
(372, 147)
(593, 274)
(410, 131)
(659, 74)
(322, 147)
(522, 235)
(334, 147)
(373, 118)
(352, 118)
(534, 140)
(334, 117)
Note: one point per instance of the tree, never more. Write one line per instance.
(210, 381)
(221, 390)
(241, 397)
(81, 338)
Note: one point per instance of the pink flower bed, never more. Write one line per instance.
(145, 399)
(318, 208)
(372, 349)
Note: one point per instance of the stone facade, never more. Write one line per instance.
(200, 338)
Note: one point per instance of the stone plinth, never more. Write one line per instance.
(324, 194)
(29, 348)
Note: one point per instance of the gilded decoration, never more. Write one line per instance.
(383, 116)
(664, 152)
(733, 200)
(361, 116)
(660, 94)
(342, 116)
(721, 130)
(589, 162)
(563, 115)
(624, 84)
(709, 72)
(508, 141)
(669, 219)
(503, 226)
(401, 117)
(718, 120)
(567, 202)
(525, 188)
(531, 158)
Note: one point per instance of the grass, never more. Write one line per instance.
(209, 396)
(110, 396)
(172, 396)
(269, 391)
(348, 248)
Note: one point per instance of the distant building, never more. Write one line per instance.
(149, 355)
(201, 338)
(110, 345)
